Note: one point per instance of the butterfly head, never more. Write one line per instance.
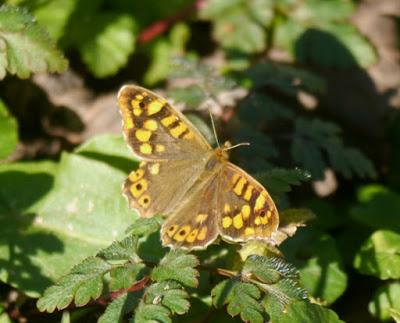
(222, 152)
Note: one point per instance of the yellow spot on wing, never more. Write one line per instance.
(128, 123)
(226, 222)
(137, 112)
(150, 125)
(144, 201)
(238, 221)
(247, 194)
(160, 148)
(249, 231)
(139, 187)
(143, 135)
(154, 168)
(227, 208)
(202, 234)
(192, 236)
(171, 230)
(257, 220)
(259, 202)
(235, 177)
(155, 107)
(168, 120)
(178, 130)
(146, 149)
(239, 186)
(246, 211)
(182, 233)
(189, 135)
(135, 176)
(200, 218)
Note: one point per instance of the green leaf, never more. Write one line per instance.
(309, 313)
(179, 266)
(63, 220)
(395, 314)
(145, 226)
(314, 136)
(380, 255)
(8, 132)
(54, 16)
(163, 51)
(242, 298)
(170, 294)
(269, 270)
(319, 262)
(316, 10)
(125, 276)
(112, 41)
(84, 282)
(386, 298)
(239, 25)
(280, 295)
(151, 313)
(285, 78)
(121, 250)
(279, 180)
(119, 307)
(379, 210)
(25, 46)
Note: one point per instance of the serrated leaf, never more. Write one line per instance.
(8, 132)
(25, 46)
(119, 307)
(260, 109)
(179, 266)
(242, 298)
(380, 255)
(269, 269)
(279, 180)
(121, 250)
(125, 276)
(146, 313)
(280, 295)
(309, 155)
(309, 313)
(145, 226)
(285, 78)
(170, 294)
(385, 300)
(82, 283)
(111, 41)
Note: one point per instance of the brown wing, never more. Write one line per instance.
(193, 225)
(246, 210)
(155, 130)
(158, 187)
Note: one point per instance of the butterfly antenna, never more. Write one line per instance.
(237, 145)
(213, 126)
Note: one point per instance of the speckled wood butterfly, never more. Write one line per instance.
(182, 177)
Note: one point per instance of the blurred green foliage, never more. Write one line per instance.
(265, 69)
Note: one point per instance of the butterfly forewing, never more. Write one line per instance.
(246, 210)
(158, 187)
(155, 130)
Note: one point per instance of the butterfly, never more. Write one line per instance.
(201, 193)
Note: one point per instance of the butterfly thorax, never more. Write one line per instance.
(221, 153)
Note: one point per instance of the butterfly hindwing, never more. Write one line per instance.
(155, 130)
(246, 210)
(193, 225)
